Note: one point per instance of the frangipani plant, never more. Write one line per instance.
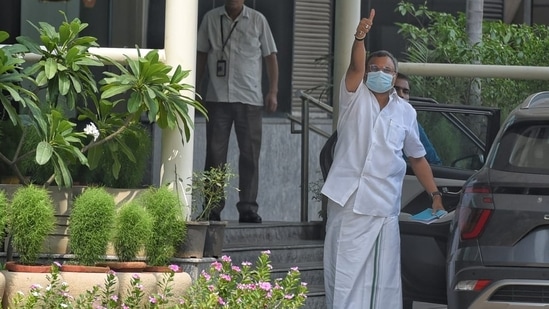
(60, 88)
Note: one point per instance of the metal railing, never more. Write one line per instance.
(305, 128)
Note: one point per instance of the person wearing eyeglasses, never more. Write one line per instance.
(364, 184)
(402, 87)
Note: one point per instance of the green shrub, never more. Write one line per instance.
(90, 225)
(169, 228)
(132, 229)
(31, 219)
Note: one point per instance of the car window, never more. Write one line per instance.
(458, 138)
(524, 148)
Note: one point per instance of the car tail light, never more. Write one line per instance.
(472, 285)
(473, 215)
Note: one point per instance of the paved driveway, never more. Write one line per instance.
(418, 305)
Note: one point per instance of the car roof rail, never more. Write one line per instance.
(536, 100)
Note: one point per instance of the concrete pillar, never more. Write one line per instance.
(180, 49)
(347, 16)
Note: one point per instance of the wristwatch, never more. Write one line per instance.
(433, 194)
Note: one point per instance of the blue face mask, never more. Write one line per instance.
(379, 81)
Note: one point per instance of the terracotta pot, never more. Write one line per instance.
(38, 268)
(84, 269)
(124, 267)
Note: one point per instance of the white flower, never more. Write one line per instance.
(91, 129)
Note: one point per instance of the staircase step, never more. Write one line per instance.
(311, 272)
(267, 232)
(315, 297)
(291, 251)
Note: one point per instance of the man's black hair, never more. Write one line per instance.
(383, 53)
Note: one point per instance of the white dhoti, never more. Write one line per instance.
(361, 260)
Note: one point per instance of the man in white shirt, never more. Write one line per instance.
(362, 245)
(234, 40)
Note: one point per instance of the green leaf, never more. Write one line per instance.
(50, 68)
(64, 84)
(44, 152)
(3, 36)
(94, 157)
(114, 90)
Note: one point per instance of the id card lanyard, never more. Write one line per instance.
(223, 40)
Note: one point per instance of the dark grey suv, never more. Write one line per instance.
(492, 250)
(499, 245)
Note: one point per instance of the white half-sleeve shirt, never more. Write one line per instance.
(368, 154)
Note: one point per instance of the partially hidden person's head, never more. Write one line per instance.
(234, 5)
(381, 71)
(402, 86)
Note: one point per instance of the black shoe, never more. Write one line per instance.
(249, 217)
(214, 217)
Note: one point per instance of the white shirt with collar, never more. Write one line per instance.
(250, 41)
(368, 154)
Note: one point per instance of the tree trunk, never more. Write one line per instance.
(475, 10)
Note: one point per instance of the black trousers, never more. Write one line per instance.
(247, 120)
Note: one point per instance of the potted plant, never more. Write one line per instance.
(168, 232)
(30, 219)
(208, 189)
(132, 229)
(90, 226)
(169, 228)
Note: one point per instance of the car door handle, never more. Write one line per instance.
(445, 190)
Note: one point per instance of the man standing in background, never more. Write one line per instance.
(402, 87)
(233, 40)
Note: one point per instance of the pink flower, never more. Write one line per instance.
(225, 277)
(217, 266)
(289, 296)
(174, 268)
(236, 269)
(206, 275)
(267, 252)
(152, 300)
(226, 258)
(221, 301)
(265, 286)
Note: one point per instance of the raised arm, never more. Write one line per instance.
(357, 67)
